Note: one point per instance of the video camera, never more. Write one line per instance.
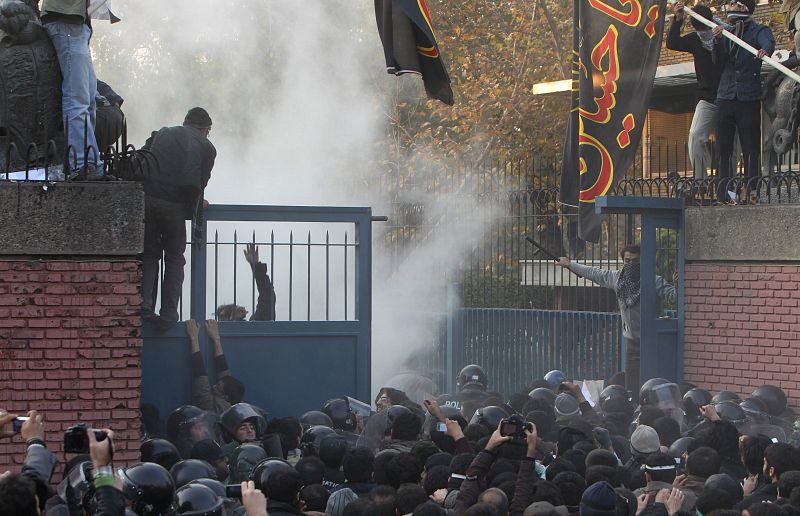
(514, 426)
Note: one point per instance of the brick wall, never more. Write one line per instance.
(742, 327)
(70, 344)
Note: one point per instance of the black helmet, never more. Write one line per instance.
(187, 470)
(338, 409)
(332, 449)
(159, 451)
(566, 405)
(679, 447)
(555, 378)
(725, 396)
(614, 392)
(699, 397)
(179, 416)
(315, 417)
(473, 376)
(198, 500)
(489, 417)
(243, 459)
(215, 485)
(773, 397)
(240, 413)
(644, 391)
(264, 469)
(543, 394)
(150, 488)
(309, 443)
(756, 409)
(730, 411)
(80, 480)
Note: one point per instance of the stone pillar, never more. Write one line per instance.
(742, 294)
(70, 336)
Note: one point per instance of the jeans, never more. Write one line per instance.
(78, 90)
(164, 234)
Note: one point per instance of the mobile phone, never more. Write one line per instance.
(17, 423)
(441, 427)
(233, 491)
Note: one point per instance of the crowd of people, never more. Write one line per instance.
(548, 450)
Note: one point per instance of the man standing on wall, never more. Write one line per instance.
(626, 285)
(67, 22)
(739, 93)
(173, 192)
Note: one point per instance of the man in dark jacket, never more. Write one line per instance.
(739, 93)
(185, 158)
(778, 459)
(699, 43)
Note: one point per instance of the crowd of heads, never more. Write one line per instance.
(547, 450)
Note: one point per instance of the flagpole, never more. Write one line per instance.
(775, 64)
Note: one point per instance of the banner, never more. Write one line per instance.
(409, 45)
(615, 55)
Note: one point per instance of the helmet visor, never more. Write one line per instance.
(666, 396)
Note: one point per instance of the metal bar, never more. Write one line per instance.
(308, 279)
(235, 243)
(291, 271)
(327, 276)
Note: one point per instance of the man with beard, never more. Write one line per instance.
(625, 284)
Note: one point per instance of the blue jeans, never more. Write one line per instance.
(78, 90)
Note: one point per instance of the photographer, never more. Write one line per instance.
(110, 500)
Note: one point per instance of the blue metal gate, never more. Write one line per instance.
(288, 366)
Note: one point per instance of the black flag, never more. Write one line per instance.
(410, 46)
(615, 55)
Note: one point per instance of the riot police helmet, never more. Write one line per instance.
(198, 500)
(730, 411)
(555, 378)
(489, 417)
(647, 387)
(543, 394)
(215, 485)
(187, 470)
(566, 406)
(472, 377)
(725, 396)
(241, 413)
(756, 409)
(699, 397)
(613, 392)
(264, 469)
(773, 397)
(342, 417)
(177, 419)
(150, 489)
(159, 451)
(243, 459)
(679, 447)
(311, 439)
(315, 417)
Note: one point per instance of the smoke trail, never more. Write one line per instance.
(298, 94)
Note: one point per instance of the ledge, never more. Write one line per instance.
(100, 218)
(743, 233)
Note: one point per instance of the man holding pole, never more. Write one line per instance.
(739, 94)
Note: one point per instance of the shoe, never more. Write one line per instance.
(92, 173)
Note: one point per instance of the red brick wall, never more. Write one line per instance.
(70, 344)
(742, 327)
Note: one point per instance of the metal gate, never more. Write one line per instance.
(319, 259)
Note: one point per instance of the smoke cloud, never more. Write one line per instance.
(299, 95)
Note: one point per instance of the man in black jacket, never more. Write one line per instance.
(700, 44)
(173, 193)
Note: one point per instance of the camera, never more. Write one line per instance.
(441, 427)
(233, 491)
(16, 424)
(563, 387)
(514, 426)
(76, 438)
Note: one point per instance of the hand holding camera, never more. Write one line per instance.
(6, 418)
(497, 438)
(101, 451)
(76, 439)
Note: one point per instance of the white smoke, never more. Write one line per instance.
(298, 94)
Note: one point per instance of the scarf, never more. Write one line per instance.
(739, 21)
(706, 39)
(628, 288)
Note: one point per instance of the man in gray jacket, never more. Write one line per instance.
(625, 283)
